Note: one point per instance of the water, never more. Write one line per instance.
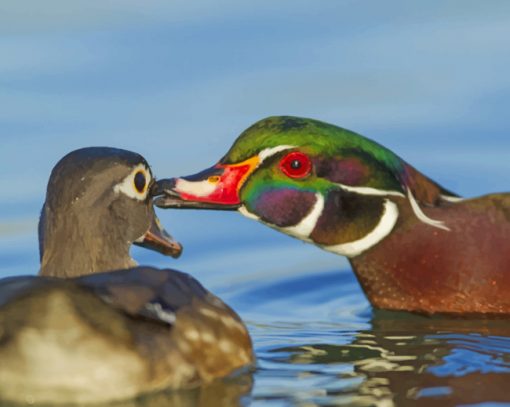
(177, 82)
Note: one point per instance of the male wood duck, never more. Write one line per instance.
(82, 333)
(413, 244)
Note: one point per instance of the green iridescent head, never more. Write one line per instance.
(368, 162)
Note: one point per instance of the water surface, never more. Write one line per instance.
(178, 81)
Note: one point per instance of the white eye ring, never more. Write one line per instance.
(128, 186)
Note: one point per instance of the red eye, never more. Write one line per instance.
(296, 165)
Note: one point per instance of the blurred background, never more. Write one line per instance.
(177, 81)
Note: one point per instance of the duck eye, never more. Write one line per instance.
(140, 181)
(296, 165)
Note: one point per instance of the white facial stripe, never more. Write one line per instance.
(127, 186)
(195, 188)
(370, 191)
(304, 228)
(383, 229)
(451, 198)
(268, 152)
(421, 216)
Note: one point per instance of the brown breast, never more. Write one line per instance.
(425, 269)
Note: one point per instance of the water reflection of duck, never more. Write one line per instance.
(98, 337)
(414, 245)
(407, 359)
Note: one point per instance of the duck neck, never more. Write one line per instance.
(404, 268)
(77, 247)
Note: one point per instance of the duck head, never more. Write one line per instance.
(312, 180)
(98, 203)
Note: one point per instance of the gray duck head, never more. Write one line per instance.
(98, 203)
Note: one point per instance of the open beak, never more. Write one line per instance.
(215, 188)
(158, 239)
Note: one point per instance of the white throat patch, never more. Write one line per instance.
(304, 228)
(243, 211)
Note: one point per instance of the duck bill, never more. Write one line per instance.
(215, 188)
(158, 239)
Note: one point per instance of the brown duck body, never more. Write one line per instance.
(421, 268)
(78, 336)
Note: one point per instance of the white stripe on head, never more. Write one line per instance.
(195, 188)
(370, 191)
(268, 152)
(383, 229)
(306, 226)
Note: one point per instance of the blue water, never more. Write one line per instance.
(178, 81)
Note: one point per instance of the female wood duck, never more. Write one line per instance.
(98, 336)
(413, 245)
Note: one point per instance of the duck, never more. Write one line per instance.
(93, 326)
(413, 244)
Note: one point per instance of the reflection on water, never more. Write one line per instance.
(231, 392)
(403, 358)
